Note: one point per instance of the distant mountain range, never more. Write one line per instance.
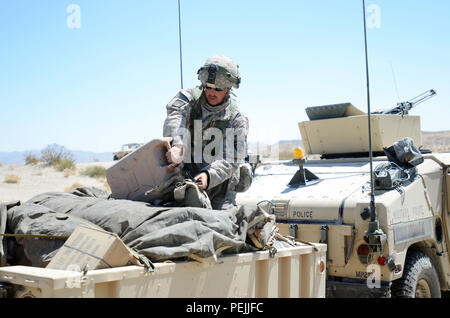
(18, 157)
(435, 141)
(438, 141)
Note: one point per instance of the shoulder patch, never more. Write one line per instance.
(178, 102)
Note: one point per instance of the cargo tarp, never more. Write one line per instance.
(159, 233)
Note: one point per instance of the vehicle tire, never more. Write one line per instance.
(419, 280)
(115, 158)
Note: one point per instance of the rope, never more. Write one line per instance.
(89, 254)
(36, 236)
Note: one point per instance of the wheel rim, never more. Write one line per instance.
(423, 289)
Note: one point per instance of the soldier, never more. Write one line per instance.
(210, 133)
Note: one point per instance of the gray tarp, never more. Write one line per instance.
(159, 233)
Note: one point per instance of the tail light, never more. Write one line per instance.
(321, 267)
(363, 250)
(364, 253)
(382, 260)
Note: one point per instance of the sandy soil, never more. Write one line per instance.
(37, 179)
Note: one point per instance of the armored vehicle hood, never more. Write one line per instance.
(319, 202)
(342, 184)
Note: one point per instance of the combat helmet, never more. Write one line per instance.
(219, 71)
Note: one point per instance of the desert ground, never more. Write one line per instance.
(27, 181)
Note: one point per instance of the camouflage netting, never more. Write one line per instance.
(159, 233)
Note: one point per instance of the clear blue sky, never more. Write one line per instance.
(107, 83)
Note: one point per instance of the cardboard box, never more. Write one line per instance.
(95, 248)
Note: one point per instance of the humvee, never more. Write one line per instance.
(125, 150)
(327, 200)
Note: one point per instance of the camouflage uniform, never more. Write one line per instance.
(190, 105)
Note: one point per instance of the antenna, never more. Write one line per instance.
(372, 195)
(395, 81)
(179, 36)
(374, 236)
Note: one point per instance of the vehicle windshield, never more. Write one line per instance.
(130, 146)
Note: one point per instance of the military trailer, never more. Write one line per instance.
(187, 247)
(403, 250)
(293, 272)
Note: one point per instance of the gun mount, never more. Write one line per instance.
(404, 107)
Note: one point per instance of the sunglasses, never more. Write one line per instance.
(216, 89)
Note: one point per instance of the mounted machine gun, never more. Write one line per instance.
(404, 107)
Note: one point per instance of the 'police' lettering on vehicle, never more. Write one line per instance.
(303, 214)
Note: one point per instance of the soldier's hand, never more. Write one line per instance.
(175, 155)
(203, 180)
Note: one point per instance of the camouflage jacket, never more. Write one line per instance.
(226, 118)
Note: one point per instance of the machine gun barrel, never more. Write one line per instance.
(404, 107)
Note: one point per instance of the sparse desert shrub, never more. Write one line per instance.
(286, 155)
(31, 159)
(54, 154)
(94, 172)
(68, 172)
(12, 178)
(65, 164)
(73, 187)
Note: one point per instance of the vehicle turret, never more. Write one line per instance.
(341, 130)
